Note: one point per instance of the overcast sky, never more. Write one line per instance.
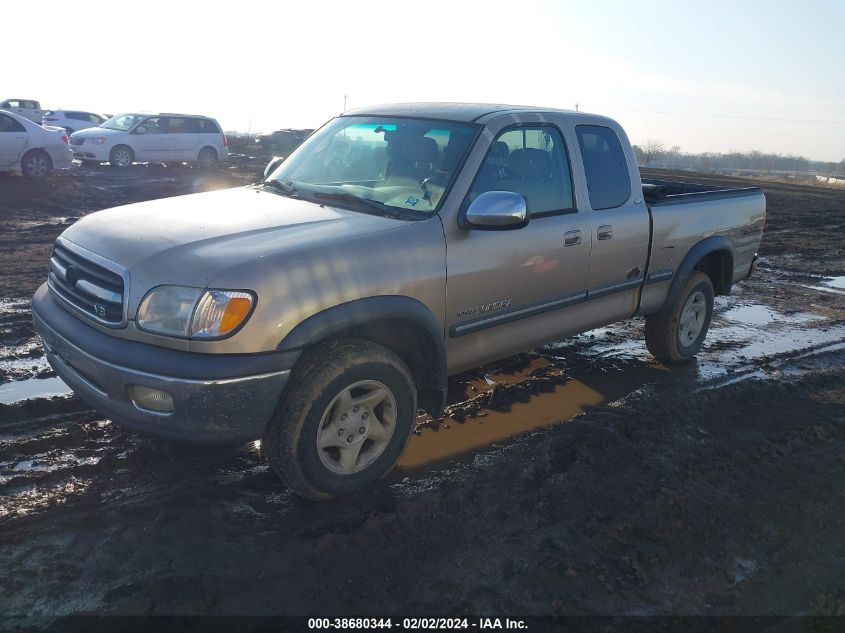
(713, 76)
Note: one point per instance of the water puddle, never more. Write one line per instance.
(19, 390)
(835, 282)
(758, 314)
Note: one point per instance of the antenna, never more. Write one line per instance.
(344, 103)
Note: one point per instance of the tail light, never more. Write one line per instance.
(225, 141)
(65, 138)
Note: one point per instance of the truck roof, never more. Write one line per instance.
(467, 112)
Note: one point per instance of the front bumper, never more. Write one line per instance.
(89, 151)
(207, 408)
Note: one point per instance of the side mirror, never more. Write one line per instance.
(496, 211)
(271, 166)
(140, 130)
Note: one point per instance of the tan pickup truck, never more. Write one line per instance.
(399, 244)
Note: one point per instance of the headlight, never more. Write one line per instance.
(194, 312)
(97, 141)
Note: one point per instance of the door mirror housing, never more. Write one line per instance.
(496, 211)
(271, 166)
(140, 130)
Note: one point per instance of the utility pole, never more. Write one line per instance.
(344, 103)
(576, 107)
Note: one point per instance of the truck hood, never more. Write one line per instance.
(190, 239)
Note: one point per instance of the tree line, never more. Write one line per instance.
(654, 153)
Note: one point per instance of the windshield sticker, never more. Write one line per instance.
(412, 201)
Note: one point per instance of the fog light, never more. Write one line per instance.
(151, 399)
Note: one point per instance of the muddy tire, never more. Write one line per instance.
(676, 335)
(36, 164)
(121, 156)
(344, 419)
(207, 158)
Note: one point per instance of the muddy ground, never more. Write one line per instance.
(581, 478)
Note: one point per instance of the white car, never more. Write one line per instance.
(128, 138)
(27, 108)
(72, 120)
(32, 149)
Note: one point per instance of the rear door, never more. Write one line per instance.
(182, 138)
(13, 140)
(619, 221)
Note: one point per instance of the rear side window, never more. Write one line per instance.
(204, 126)
(531, 161)
(608, 180)
(8, 124)
(177, 125)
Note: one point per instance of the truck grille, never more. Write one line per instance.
(76, 141)
(91, 284)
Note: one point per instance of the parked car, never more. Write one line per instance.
(312, 310)
(30, 148)
(282, 142)
(72, 120)
(27, 108)
(127, 138)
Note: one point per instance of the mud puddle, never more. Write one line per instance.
(557, 383)
(20, 390)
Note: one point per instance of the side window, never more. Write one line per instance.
(8, 124)
(608, 179)
(203, 126)
(95, 119)
(76, 116)
(154, 125)
(177, 125)
(531, 161)
(30, 105)
(14, 103)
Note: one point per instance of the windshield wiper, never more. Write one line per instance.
(280, 187)
(368, 203)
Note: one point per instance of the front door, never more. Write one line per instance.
(154, 143)
(508, 290)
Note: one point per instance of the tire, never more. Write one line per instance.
(121, 156)
(321, 398)
(36, 164)
(676, 335)
(207, 158)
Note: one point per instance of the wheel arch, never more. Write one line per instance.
(403, 325)
(714, 257)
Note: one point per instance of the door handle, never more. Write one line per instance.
(572, 238)
(604, 232)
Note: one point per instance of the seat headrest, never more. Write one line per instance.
(419, 149)
(499, 150)
(530, 163)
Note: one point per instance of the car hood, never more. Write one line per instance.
(190, 239)
(94, 132)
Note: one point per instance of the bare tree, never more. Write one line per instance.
(652, 150)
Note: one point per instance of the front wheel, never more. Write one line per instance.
(121, 157)
(344, 419)
(676, 335)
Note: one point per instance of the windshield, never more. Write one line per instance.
(400, 164)
(122, 122)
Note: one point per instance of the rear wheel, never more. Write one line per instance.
(344, 419)
(207, 158)
(676, 335)
(121, 157)
(36, 164)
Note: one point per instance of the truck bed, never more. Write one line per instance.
(667, 192)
